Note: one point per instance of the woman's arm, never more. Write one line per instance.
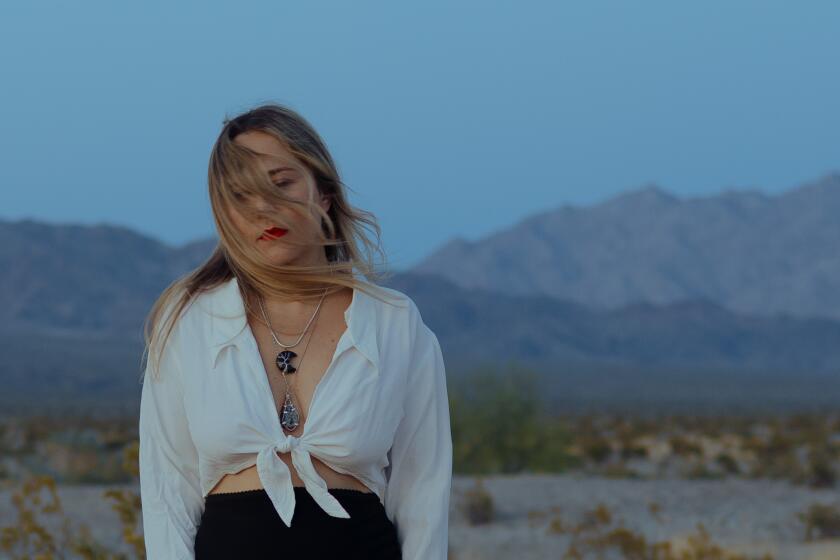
(420, 468)
(170, 489)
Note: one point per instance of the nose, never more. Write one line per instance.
(264, 215)
(261, 205)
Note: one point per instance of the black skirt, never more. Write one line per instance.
(245, 525)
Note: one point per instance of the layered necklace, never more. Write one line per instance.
(290, 413)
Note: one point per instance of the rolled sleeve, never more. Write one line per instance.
(420, 459)
(170, 489)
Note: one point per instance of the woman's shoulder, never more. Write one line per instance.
(393, 296)
(391, 305)
(191, 316)
(401, 315)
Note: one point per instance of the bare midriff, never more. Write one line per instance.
(248, 479)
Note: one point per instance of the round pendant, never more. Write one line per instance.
(289, 417)
(284, 361)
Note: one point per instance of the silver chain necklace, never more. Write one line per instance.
(289, 414)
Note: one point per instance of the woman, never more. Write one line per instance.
(292, 407)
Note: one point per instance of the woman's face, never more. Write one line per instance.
(294, 184)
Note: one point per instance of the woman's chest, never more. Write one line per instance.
(295, 371)
(351, 407)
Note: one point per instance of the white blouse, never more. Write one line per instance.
(380, 413)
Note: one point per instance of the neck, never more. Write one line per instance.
(290, 310)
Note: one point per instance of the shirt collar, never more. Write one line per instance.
(228, 320)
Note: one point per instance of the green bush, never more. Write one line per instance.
(500, 425)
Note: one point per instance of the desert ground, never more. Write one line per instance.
(532, 515)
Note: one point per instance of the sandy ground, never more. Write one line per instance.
(743, 515)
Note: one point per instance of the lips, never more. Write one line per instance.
(273, 233)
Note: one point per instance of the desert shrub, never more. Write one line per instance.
(630, 450)
(478, 504)
(701, 547)
(727, 463)
(556, 526)
(631, 545)
(619, 470)
(595, 518)
(785, 466)
(701, 471)
(822, 521)
(37, 497)
(680, 445)
(500, 425)
(820, 469)
(598, 539)
(595, 447)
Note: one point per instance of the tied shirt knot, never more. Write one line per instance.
(277, 478)
(287, 444)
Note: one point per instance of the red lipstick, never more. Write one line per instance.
(273, 233)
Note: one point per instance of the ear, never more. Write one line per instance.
(325, 203)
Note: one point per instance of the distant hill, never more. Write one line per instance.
(747, 251)
(689, 352)
(480, 326)
(101, 278)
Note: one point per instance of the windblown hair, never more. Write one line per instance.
(234, 171)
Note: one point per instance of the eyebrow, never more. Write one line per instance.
(277, 170)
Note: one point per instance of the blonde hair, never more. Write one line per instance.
(234, 170)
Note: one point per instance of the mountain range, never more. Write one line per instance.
(747, 251)
(646, 297)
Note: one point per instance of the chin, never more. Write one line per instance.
(278, 255)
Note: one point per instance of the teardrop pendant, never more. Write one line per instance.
(289, 417)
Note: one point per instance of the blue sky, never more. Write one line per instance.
(446, 118)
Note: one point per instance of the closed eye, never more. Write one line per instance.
(239, 196)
